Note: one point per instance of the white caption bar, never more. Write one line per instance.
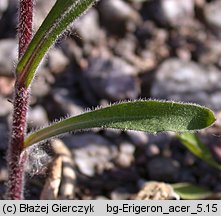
(106, 207)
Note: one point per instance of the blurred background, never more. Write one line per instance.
(120, 50)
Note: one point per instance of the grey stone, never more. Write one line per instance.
(120, 194)
(57, 61)
(162, 169)
(213, 53)
(189, 159)
(124, 160)
(112, 78)
(112, 133)
(63, 100)
(152, 150)
(42, 8)
(213, 16)
(189, 82)
(160, 139)
(6, 86)
(117, 13)
(172, 12)
(127, 148)
(4, 136)
(8, 19)
(186, 175)
(8, 56)
(40, 86)
(215, 149)
(37, 117)
(3, 174)
(72, 50)
(126, 155)
(126, 49)
(6, 107)
(87, 27)
(138, 137)
(92, 153)
(3, 6)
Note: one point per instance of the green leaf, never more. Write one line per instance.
(193, 143)
(151, 116)
(189, 191)
(59, 18)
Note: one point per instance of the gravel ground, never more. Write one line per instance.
(119, 50)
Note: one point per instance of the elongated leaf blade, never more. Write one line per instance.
(151, 116)
(194, 145)
(189, 191)
(59, 18)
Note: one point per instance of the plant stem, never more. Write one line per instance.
(16, 160)
(16, 145)
(25, 25)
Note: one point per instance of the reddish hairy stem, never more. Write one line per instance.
(16, 160)
(25, 24)
(16, 145)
